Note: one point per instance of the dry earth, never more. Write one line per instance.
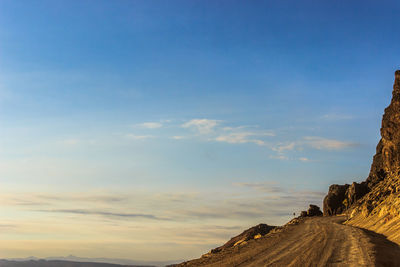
(317, 241)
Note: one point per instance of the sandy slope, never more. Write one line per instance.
(378, 210)
(318, 241)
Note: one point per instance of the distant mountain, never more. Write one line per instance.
(74, 261)
(58, 263)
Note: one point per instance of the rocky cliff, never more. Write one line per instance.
(333, 202)
(375, 203)
(386, 160)
(387, 157)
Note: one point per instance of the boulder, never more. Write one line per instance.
(314, 210)
(333, 202)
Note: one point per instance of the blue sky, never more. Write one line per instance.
(136, 117)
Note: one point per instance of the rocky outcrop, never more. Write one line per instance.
(251, 233)
(356, 191)
(333, 202)
(313, 210)
(387, 157)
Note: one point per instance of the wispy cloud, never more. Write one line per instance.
(105, 213)
(315, 142)
(47, 199)
(181, 218)
(82, 197)
(321, 143)
(282, 193)
(149, 125)
(178, 137)
(8, 226)
(243, 137)
(218, 213)
(279, 156)
(238, 138)
(308, 142)
(214, 131)
(281, 147)
(336, 117)
(202, 126)
(284, 157)
(172, 207)
(138, 137)
(71, 142)
(267, 187)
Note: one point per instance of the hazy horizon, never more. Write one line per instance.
(157, 130)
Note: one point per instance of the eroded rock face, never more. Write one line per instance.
(356, 191)
(387, 157)
(333, 202)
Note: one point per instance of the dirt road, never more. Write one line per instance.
(318, 241)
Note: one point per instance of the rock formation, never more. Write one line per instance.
(251, 233)
(333, 202)
(387, 157)
(356, 191)
(386, 160)
(313, 210)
